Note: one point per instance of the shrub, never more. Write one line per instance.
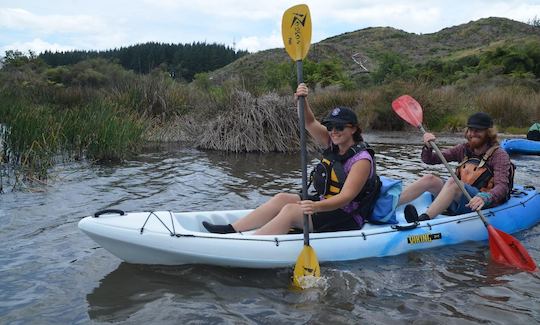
(264, 124)
(510, 106)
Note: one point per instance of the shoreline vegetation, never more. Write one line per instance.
(95, 109)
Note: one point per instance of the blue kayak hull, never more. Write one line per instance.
(168, 238)
(521, 146)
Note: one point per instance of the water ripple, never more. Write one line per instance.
(51, 273)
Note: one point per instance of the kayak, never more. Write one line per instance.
(170, 238)
(521, 146)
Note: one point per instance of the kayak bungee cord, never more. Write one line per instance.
(173, 232)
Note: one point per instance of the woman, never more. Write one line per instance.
(346, 199)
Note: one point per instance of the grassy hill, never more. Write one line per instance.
(370, 44)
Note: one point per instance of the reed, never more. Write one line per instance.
(154, 96)
(35, 136)
(31, 139)
(101, 131)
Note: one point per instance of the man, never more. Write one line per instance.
(484, 168)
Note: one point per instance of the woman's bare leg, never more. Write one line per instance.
(265, 212)
(291, 215)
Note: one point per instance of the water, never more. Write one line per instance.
(51, 273)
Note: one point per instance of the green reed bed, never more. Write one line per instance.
(36, 136)
(102, 131)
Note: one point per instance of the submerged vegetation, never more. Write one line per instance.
(97, 109)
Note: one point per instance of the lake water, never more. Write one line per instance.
(51, 273)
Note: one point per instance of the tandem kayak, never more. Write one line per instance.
(521, 146)
(170, 238)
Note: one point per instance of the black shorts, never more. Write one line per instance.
(328, 221)
(336, 220)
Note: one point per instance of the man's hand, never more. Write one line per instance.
(476, 203)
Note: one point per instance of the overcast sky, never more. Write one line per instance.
(246, 24)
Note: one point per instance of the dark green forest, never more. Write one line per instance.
(182, 61)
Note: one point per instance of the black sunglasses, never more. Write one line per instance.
(336, 126)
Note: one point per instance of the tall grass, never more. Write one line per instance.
(37, 135)
(101, 131)
(512, 106)
(32, 140)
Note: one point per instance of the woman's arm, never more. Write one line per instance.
(314, 127)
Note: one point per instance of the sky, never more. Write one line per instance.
(252, 25)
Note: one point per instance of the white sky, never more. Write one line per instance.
(248, 24)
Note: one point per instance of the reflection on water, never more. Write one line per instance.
(51, 273)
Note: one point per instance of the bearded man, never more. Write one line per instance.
(484, 168)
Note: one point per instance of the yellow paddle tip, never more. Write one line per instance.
(296, 31)
(307, 269)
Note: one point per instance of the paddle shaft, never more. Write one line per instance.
(303, 150)
(454, 176)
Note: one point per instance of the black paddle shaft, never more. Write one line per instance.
(303, 150)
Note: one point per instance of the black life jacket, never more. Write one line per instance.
(533, 135)
(328, 177)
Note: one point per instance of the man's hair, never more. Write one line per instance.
(492, 135)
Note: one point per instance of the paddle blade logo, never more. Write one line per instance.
(299, 18)
(296, 31)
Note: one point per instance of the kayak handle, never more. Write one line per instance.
(408, 227)
(109, 211)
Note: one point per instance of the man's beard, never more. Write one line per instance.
(477, 142)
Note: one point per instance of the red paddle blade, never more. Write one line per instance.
(408, 109)
(505, 249)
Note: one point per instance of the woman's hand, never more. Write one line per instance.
(301, 90)
(308, 207)
(427, 138)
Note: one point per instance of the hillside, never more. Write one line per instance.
(367, 45)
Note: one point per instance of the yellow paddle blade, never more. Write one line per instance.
(307, 265)
(296, 31)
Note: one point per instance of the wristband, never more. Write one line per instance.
(486, 197)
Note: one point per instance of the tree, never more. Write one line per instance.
(391, 66)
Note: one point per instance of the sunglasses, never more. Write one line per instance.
(336, 126)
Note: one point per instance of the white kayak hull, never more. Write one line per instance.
(168, 238)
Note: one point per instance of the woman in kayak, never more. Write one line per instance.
(346, 183)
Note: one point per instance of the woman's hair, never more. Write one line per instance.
(491, 135)
(357, 136)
